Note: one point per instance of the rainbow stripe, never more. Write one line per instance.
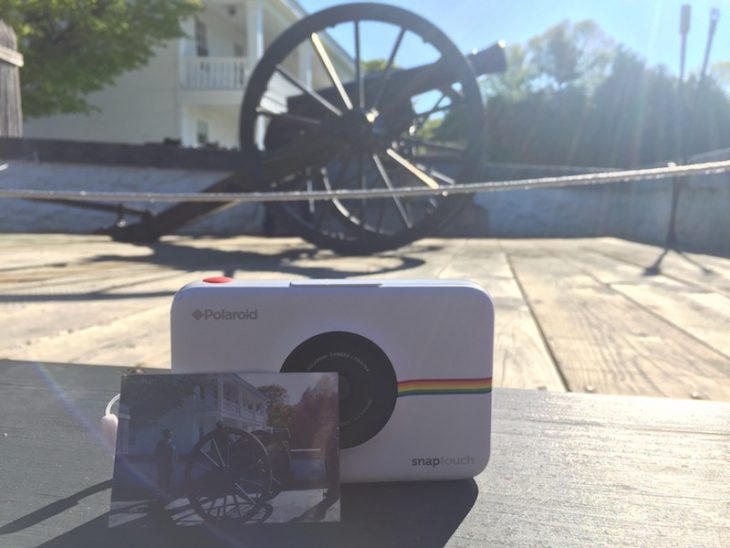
(430, 387)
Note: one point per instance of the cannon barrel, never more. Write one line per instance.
(438, 74)
(491, 60)
(406, 83)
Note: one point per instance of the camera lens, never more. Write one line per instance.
(368, 387)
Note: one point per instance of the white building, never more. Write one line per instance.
(192, 89)
(226, 398)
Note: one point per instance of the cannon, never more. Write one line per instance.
(363, 124)
(232, 473)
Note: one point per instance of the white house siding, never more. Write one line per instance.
(140, 106)
(223, 123)
(168, 97)
(223, 31)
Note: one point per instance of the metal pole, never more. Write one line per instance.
(687, 143)
(678, 182)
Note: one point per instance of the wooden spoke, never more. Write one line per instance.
(238, 506)
(207, 456)
(289, 77)
(422, 118)
(438, 175)
(359, 88)
(414, 170)
(254, 483)
(433, 172)
(301, 120)
(335, 202)
(325, 181)
(244, 494)
(218, 452)
(388, 68)
(330, 68)
(311, 204)
(386, 179)
(431, 144)
(363, 185)
(428, 113)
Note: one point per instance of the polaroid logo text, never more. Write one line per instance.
(222, 314)
(433, 462)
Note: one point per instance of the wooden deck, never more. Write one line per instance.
(584, 315)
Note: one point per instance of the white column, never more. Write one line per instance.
(254, 30)
(255, 48)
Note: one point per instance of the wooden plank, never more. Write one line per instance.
(703, 314)
(565, 470)
(94, 319)
(605, 343)
(705, 271)
(44, 324)
(521, 359)
(43, 250)
(11, 56)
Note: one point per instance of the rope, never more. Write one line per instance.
(587, 179)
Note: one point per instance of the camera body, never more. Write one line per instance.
(414, 360)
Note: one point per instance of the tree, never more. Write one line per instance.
(314, 417)
(75, 47)
(278, 410)
(720, 72)
(570, 54)
(572, 98)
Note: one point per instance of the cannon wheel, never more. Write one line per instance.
(228, 475)
(375, 143)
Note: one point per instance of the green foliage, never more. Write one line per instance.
(570, 54)
(570, 98)
(720, 72)
(74, 47)
(374, 65)
(315, 416)
(577, 55)
(278, 411)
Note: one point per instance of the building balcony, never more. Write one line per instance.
(215, 73)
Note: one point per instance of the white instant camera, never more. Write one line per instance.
(414, 360)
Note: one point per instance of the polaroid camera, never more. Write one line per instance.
(414, 360)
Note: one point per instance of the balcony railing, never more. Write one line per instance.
(214, 73)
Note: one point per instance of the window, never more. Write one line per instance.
(238, 50)
(202, 136)
(230, 393)
(201, 39)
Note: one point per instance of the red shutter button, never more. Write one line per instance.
(217, 280)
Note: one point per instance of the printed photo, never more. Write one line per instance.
(227, 449)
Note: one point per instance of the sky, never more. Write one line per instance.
(648, 27)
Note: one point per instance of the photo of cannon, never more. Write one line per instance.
(231, 473)
(382, 123)
(229, 449)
